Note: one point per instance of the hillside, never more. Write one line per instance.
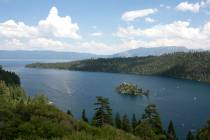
(192, 65)
(157, 51)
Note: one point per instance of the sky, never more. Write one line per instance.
(103, 26)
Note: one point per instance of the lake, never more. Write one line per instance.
(185, 102)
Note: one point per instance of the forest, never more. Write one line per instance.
(32, 118)
(10, 78)
(191, 65)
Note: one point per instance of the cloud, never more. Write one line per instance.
(185, 6)
(178, 33)
(95, 47)
(49, 34)
(53, 26)
(10, 29)
(150, 20)
(60, 33)
(165, 6)
(132, 15)
(96, 34)
(204, 2)
(58, 26)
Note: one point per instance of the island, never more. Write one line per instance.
(131, 89)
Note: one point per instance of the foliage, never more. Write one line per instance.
(118, 122)
(84, 118)
(10, 78)
(204, 133)
(171, 134)
(192, 65)
(152, 117)
(126, 124)
(103, 114)
(69, 113)
(190, 136)
(131, 89)
(134, 121)
(145, 131)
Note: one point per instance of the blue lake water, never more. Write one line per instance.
(185, 102)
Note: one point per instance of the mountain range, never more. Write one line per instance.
(45, 55)
(157, 51)
(151, 51)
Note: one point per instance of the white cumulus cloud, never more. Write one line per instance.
(185, 6)
(10, 29)
(151, 20)
(132, 15)
(178, 33)
(59, 26)
(48, 34)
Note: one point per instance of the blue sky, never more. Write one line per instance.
(105, 26)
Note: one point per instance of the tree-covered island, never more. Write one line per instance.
(131, 89)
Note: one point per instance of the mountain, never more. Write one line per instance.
(45, 55)
(22, 54)
(191, 65)
(151, 51)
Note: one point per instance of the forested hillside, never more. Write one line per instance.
(10, 78)
(192, 65)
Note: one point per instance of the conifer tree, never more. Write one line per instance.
(171, 134)
(134, 121)
(126, 123)
(118, 121)
(84, 118)
(103, 114)
(153, 118)
(190, 136)
(69, 113)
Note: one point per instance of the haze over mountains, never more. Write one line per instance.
(44, 55)
(78, 56)
(151, 51)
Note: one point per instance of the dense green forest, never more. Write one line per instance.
(10, 78)
(32, 118)
(192, 65)
(131, 89)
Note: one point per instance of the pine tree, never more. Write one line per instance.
(171, 134)
(145, 131)
(69, 113)
(134, 121)
(153, 118)
(126, 123)
(118, 121)
(103, 114)
(84, 118)
(190, 136)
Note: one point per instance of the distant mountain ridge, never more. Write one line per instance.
(23, 54)
(45, 55)
(157, 51)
